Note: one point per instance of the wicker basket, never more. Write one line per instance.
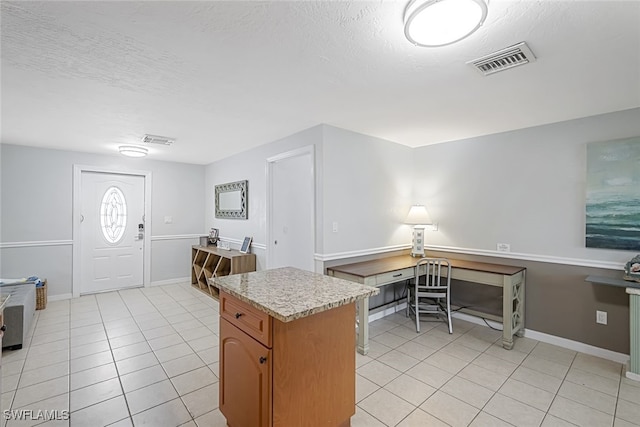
(41, 296)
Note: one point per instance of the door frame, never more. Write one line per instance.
(76, 214)
(309, 149)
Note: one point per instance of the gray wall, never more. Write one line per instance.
(251, 165)
(36, 213)
(527, 188)
(362, 183)
(367, 190)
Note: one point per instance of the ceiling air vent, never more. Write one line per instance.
(155, 139)
(512, 56)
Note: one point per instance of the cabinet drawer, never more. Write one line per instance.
(250, 320)
(395, 276)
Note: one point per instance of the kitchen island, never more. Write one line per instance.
(287, 348)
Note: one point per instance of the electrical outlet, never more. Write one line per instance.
(601, 317)
(168, 219)
(335, 226)
(503, 247)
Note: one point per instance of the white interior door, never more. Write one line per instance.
(291, 208)
(111, 231)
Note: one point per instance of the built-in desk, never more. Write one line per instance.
(384, 271)
(633, 289)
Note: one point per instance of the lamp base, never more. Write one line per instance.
(417, 248)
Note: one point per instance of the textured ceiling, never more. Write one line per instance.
(223, 77)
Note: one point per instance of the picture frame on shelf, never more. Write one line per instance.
(246, 245)
(214, 235)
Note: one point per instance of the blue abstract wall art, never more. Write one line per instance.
(613, 195)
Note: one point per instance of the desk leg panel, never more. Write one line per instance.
(520, 295)
(634, 342)
(512, 308)
(507, 313)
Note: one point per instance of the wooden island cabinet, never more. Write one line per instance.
(287, 349)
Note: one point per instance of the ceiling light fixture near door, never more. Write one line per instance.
(432, 23)
(132, 151)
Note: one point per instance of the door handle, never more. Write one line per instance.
(263, 360)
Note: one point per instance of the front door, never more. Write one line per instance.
(111, 231)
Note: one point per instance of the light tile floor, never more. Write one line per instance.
(150, 357)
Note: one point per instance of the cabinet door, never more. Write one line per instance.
(245, 378)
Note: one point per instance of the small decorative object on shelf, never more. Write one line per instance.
(632, 269)
(246, 244)
(213, 236)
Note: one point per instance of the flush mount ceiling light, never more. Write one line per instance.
(433, 23)
(132, 151)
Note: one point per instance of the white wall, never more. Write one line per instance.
(36, 213)
(525, 188)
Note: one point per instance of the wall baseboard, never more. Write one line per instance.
(631, 375)
(538, 336)
(175, 281)
(60, 297)
(577, 346)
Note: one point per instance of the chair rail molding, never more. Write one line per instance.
(607, 265)
(35, 243)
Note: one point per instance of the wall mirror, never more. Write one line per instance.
(231, 200)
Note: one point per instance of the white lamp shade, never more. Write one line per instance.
(418, 215)
(132, 151)
(433, 23)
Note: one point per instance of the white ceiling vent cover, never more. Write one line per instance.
(155, 139)
(512, 56)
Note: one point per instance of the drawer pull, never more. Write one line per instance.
(397, 275)
(263, 360)
(238, 315)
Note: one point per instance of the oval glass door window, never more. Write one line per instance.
(113, 215)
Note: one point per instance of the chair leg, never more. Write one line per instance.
(408, 301)
(449, 316)
(417, 312)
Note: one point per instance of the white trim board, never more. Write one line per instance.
(176, 281)
(36, 243)
(534, 335)
(552, 339)
(577, 346)
(60, 297)
(176, 237)
(608, 265)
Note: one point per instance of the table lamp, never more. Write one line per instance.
(419, 218)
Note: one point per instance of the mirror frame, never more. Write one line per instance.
(240, 186)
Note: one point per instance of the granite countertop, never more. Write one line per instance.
(288, 293)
